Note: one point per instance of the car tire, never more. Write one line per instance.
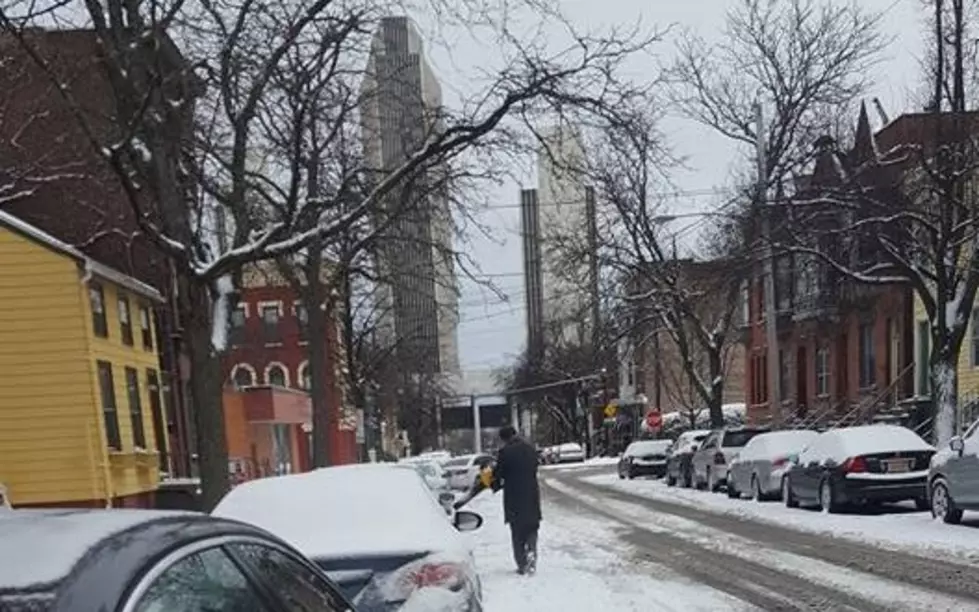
(942, 505)
(827, 498)
(687, 478)
(787, 497)
(756, 493)
(632, 475)
(732, 491)
(621, 476)
(670, 480)
(709, 483)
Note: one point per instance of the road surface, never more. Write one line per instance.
(675, 557)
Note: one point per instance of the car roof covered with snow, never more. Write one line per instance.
(840, 444)
(349, 511)
(51, 558)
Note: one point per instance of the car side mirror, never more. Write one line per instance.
(694, 448)
(467, 521)
(956, 444)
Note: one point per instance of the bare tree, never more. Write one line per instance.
(212, 66)
(807, 60)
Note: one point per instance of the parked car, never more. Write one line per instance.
(374, 528)
(431, 474)
(644, 458)
(678, 469)
(710, 462)
(953, 477)
(153, 561)
(759, 467)
(462, 472)
(439, 456)
(569, 452)
(859, 465)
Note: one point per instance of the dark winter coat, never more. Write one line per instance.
(516, 474)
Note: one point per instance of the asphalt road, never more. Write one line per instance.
(767, 566)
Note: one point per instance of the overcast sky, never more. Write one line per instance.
(492, 331)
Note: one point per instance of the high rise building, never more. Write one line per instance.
(417, 293)
(558, 244)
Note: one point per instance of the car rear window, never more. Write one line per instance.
(739, 437)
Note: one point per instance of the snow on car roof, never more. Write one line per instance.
(346, 511)
(46, 545)
(839, 444)
(642, 446)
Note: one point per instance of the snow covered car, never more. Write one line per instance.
(678, 463)
(463, 471)
(644, 458)
(953, 477)
(431, 473)
(710, 462)
(153, 561)
(569, 452)
(759, 467)
(858, 465)
(374, 528)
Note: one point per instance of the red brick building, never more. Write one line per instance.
(843, 347)
(269, 348)
(68, 191)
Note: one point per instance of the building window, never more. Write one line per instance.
(146, 326)
(237, 330)
(868, 358)
(745, 303)
(783, 283)
(305, 380)
(97, 298)
(135, 408)
(109, 416)
(822, 371)
(275, 375)
(156, 413)
(242, 375)
(270, 314)
(761, 299)
(302, 320)
(760, 379)
(125, 321)
(784, 372)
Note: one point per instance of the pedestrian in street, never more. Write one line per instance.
(516, 474)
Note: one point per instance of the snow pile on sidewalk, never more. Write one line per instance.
(582, 567)
(900, 528)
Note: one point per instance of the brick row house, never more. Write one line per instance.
(267, 371)
(845, 349)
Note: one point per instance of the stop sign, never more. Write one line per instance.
(654, 420)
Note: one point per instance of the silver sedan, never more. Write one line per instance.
(759, 467)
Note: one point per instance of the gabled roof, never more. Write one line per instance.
(47, 240)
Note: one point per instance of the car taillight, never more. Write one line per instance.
(854, 465)
(427, 573)
(718, 458)
(780, 461)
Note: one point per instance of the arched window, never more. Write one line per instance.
(276, 374)
(242, 375)
(304, 379)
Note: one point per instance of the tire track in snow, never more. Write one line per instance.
(875, 591)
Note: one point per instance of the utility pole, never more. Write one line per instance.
(596, 309)
(771, 329)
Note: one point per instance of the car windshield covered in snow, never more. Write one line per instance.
(739, 437)
(647, 447)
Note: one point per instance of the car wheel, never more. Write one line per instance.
(942, 506)
(621, 475)
(732, 491)
(687, 478)
(710, 485)
(787, 497)
(827, 501)
(756, 493)
(631, 474)
(670, 480)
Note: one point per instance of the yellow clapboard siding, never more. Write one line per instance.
(52, 437)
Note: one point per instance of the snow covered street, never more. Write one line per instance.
(638, 545)
(582, 568)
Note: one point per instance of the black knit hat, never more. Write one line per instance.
(507, 432)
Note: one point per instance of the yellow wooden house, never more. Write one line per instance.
(968, 369)
(81, 419)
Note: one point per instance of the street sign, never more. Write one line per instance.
(611, 410)
(654, 421)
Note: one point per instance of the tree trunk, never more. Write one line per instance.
(716, 385)
(315, 299)
(206, 396)
(945, 388)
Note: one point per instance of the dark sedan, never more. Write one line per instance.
(869, 464)
(150, 561)
(644, 458)
(678, 464)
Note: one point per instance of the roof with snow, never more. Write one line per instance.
(27, 230)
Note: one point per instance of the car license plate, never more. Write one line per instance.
(892, 466)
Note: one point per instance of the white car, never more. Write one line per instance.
(463, 471)
(438, 457)
(374, 528)
(569, 452)
(761, 464)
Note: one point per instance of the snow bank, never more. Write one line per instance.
(902, 529)
(347, 511)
